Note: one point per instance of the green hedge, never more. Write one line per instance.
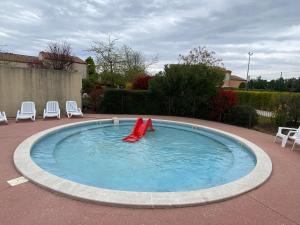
(264, 100)
(145, 102)
(131, 102)
(242, 115)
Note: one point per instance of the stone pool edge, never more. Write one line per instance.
(26, 166)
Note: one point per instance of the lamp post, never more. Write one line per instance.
(247, 83)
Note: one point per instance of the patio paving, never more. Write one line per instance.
(275, 202)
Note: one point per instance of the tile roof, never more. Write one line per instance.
(30, 59)
(18, 58)
(237, 78)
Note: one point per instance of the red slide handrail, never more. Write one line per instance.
(139, 130)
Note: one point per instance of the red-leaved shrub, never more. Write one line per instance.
(141, 82)
(95, 95)
(222, 103)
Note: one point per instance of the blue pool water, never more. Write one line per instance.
(172, 158)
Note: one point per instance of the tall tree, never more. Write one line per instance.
(118, 64)
(108, 55)
(91, 67)
(201, 55)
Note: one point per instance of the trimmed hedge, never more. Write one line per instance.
(264, 100)
(242, 115)
(117, 101)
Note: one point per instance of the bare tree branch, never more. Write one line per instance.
(58, 56)
(201, 55)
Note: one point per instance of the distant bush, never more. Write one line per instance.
(128, 86)
(188, 89)
(87, 103)
(242, 115)
(258, 99)
(141, 82)
(132, 102)
(264, 100)
(87, 85)
(287, 111)
(222, 103)
(181, 90)
(242, 85)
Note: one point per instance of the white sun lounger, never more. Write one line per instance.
(52, 110)
(72, 109)
(292, 134)
(27, 111)
(296, 140)
(3, 117)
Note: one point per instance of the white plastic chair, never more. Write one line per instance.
(52, 110)
(72, 109)
(296, 139)
(27, 111)
(292, 134)
(3, 117)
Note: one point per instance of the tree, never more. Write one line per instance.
(201, 55)
(188, 88)
(58, 56)
(133, 63)
(108, 56)
(118, 64)
(91, 67)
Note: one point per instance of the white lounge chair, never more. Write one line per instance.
(27, 111)
(52, 110)
(296, 139)
(72, 109)
(292, 134)
(3, 117)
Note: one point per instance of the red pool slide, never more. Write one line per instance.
(139, 130)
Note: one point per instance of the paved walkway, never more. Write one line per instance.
(276, 202)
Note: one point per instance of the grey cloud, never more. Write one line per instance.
(269, 28)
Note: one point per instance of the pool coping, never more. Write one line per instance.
(29, 169)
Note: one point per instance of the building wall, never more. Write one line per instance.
(76, 67)
(38, 85)
(236, 83)
(80, 68)
(14, 64)
(226, 82)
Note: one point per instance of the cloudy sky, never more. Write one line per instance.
(232, 28)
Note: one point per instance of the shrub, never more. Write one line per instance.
(141, 82)
(242, 85)
(287, 111)
(87, 85)
(281, 116)
(128, 86)
(95, 97)
(242, 115)
(264, 100)
(222, 103)
(87, 103)
(132, 102)
(189, 89)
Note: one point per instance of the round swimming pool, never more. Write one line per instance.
(172, 158)
(175, 158)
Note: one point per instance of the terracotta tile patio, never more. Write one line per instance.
(276, 202)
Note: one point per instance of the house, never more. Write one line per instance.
(26, 61)
(233, 81)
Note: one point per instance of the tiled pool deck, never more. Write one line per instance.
(275, 202)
